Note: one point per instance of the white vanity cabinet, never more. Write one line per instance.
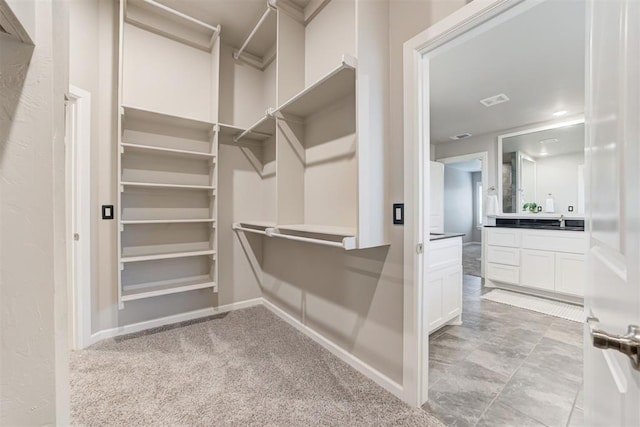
(444, 290)
(551, 261)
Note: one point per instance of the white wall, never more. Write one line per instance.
(558, 175)
(458, 203)
(33, 328)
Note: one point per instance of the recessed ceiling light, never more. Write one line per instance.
(494, 100)
(549, 141)
(460, 136)
(560, 113)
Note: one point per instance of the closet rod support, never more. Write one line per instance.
(253, 32)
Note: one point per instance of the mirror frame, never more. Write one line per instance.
(576, 120)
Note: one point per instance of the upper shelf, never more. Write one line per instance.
(337, 237)
(254, 133)
(336, 85)
(132, 115)
(168, 22)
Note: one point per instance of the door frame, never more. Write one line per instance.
(78, 202)
(456, 28)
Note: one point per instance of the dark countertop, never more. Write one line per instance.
(540, 224)
(442, 236)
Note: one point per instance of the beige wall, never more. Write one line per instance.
(355, 299)
(33, 326)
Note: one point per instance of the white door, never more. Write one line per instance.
(612, 385)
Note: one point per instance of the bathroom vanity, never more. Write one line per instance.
(444, 289)
(537, 256)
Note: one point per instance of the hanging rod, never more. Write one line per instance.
(270, 8)
(154, 3)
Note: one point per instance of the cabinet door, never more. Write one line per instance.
(435, 291)
(452, 293)
(537, 269)
(570, 274)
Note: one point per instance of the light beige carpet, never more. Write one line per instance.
(240, 369)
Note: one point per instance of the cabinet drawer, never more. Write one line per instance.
(503, 255)
(445, 252)
(503, 273)
(557, 241)
(503, 237)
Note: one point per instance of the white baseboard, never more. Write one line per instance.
(168, 320)
(357, 364)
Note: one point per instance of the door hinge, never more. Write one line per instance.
(420, 248)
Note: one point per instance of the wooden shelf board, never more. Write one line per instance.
(167, 221)
(172, 255)
(139, 114)
(166, 287)
(335, 85)
(158, 185)
(319, 229)
(165, 151)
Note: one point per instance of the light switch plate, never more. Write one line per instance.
(398, 213)
(107, 211)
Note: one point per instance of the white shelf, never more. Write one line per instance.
(165, 151)
(167, 221)
(166, 287)
(319, 229)
(334, 86)
(232, 131)
(257, 227)
(265, 126)
(171, 255)
(158, 185)
(167, 120)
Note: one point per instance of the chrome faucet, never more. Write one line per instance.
(562, 221)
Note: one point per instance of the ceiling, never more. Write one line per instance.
(536, 58)
(570, 140)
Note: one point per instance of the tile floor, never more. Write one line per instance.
(505, 366)
(471, 259)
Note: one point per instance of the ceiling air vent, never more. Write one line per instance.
(460, 136)
(494, 100)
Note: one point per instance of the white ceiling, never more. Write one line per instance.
(570, 140)
(536, 59)
(466, 166)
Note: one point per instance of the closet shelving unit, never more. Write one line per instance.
(168, 153)
(330, 125)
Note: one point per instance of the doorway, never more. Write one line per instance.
(497, 105)
(465, 183)
(78, 199)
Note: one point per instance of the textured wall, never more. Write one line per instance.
(33, 362)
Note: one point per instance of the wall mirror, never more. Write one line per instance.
(545, 166)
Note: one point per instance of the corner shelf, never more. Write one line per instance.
(257, 227)
(166, 287)
(335, 85)
(135, 114)
(251, 133)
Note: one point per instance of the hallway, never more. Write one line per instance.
(503, 365)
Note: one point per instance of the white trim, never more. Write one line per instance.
(351, 360)
(78, 170)
(453, 29)
(168, 320)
